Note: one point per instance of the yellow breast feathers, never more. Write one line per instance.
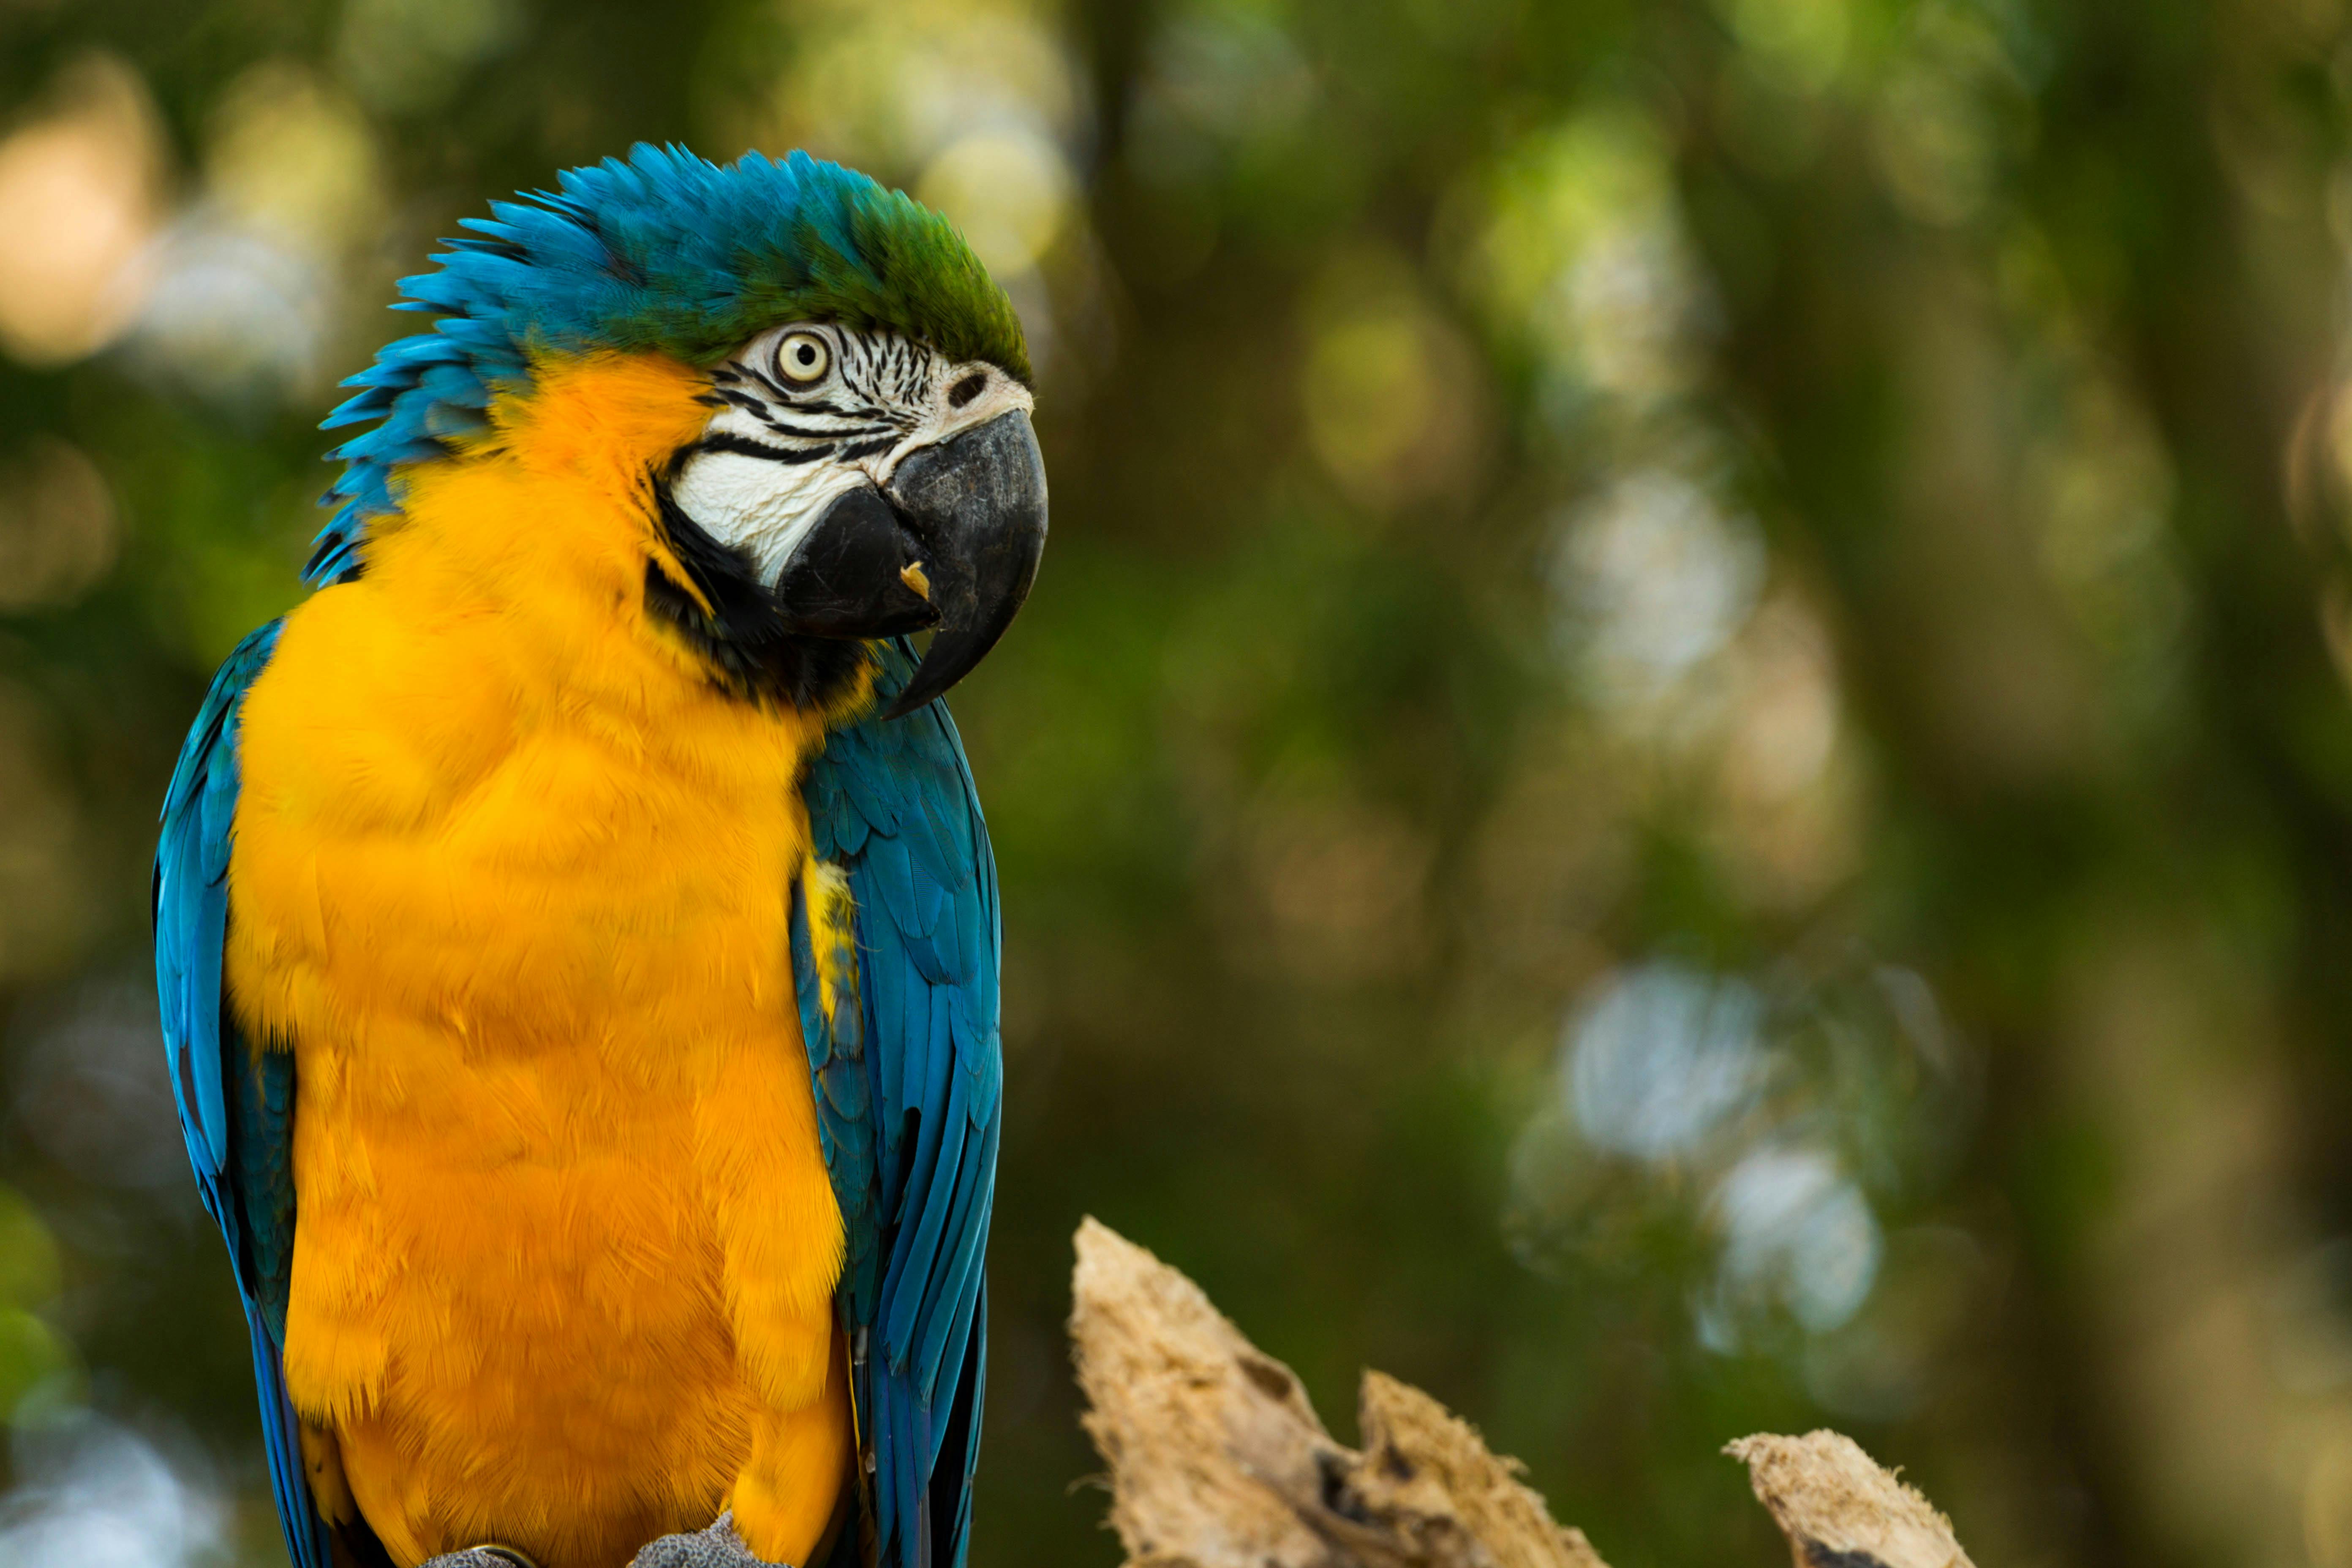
(511, 879)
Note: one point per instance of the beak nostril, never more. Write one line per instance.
(964, 391)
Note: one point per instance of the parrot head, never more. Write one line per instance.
(867, 468)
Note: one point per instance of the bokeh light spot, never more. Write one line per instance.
(1651, 578)
(290, 156)
(1660, 1056)
(405, 55)
(58, 531)
(1795, 1232)
(1008, 191)
(76, 207)
(94, 1494)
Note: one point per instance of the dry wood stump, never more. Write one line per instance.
(1217, 1461)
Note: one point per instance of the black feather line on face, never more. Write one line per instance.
(744, 447)
(748, 650)
(801, 433)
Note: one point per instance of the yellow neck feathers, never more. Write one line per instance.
(552, 513)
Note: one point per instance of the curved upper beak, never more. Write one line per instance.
(952, 541)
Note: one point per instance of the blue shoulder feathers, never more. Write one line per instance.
(910, 1084)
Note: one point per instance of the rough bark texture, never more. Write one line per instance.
(1839, 1510)
(1217, 1461)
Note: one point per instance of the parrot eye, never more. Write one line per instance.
(803, 357)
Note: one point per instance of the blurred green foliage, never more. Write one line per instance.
(1681, 766)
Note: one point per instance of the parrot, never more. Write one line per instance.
(576, 930)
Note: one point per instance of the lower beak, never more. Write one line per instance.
(952, 541)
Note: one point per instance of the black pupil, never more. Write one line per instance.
(804, 354)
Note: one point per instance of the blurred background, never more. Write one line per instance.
(1683, 764)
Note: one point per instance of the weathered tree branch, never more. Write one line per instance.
(1217, 1461)
(1839, 1510)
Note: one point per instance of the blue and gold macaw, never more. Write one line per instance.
(576, 930)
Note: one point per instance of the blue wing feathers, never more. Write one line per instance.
(977, 1405)
(236, 1106)
(297, 1518)
(265, 1162)
(959, 1281)
(910, 1109)
(913, 1291)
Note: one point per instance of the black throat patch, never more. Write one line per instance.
(751, 652)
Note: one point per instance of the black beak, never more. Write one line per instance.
(952, 542)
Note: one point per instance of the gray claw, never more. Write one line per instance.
(480, 1557)
(717, 1547)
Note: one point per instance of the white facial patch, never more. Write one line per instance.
(801, 429)
(762, 507)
